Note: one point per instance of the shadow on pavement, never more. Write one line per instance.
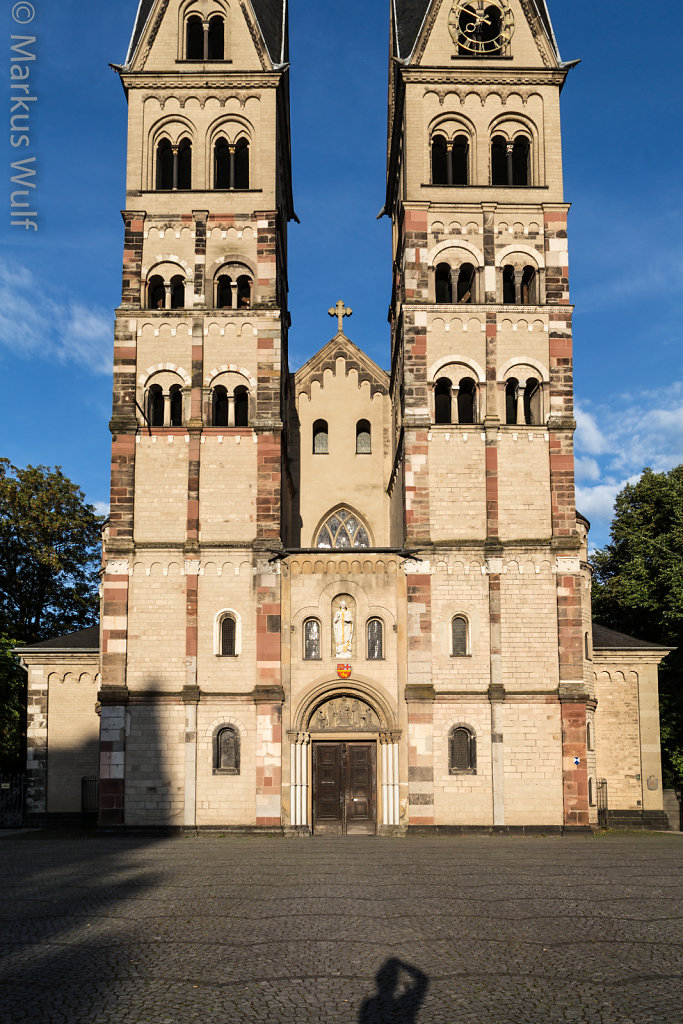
(401, 989)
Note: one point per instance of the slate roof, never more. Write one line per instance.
(610, 639)
(410, 14)
(84, 640)
(271, 16)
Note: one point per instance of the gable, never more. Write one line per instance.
(264, 20)
(354, 360)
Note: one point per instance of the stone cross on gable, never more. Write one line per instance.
(340, 311)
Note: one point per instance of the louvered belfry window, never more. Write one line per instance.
(229, 637)
(461, 751)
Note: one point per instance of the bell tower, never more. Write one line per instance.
(483, 480)
(200, 360)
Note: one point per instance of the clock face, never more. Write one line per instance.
(481, 26)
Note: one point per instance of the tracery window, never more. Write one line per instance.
(226, 751)
(343, 530)
(462, 751)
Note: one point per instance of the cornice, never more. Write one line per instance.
(474, 77)
(168, 80)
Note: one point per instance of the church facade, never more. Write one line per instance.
(344, 600)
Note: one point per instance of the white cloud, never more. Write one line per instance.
(587, 469)
(101, 508)
(597, 503)
(589, 437)
(33, 322)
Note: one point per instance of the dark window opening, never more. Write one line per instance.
(450, 160)
(439, 161)
(444, 288)
(156, 293)
(178, 292)
(216, 39)
(442, 401)
(242, 164)
(229, 637)
(375, 640)
(499, 161)
(220, 406)
(312, 640)
(165, 164)
(185, 164)
(227, 752)
(320, 438)
(243, 292)
(459, 637)
(529, 277)
(241, 407)
(466, 279)
(467, 401)
(194, 49)
(221, 165)
(509, 286)
(176, 394)
(460, 158)
(363, 438)
(462, 751)
(224, 292)
(511, 396)
(520, 162)
(532, 402)
(155, 406)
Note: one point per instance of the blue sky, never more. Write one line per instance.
(623, 156)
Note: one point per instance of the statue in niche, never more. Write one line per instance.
(343, 630)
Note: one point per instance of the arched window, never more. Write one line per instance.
(459, 647)
(156, 292)
(312, 635)
(241, 407)
(467, 393)
(532, 402)
(242, 164)
(509, 286)
(155, 406)
(439, 161)
(444, 288)
(226, 758)
(589, 736)
(176, 395)
(320, 438)
(466, 278)
(511, 396)
(363, 438)
(216, 41)
(462, 751)
(442, 401)
(224, 292)
(219, 406)
(243, 292)
(221, 165)
(529, 277)
(460, 157)
(520, 161)
(194, 48)
(375, 640)
(184, 164)
(343, 530)
(499, 161)
(228, 637)
(165, 166)
(178, 292)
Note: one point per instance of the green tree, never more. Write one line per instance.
(49, 554)
(638, 589)
(12, 686)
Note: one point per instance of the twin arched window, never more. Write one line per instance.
(164, 408)
(455, 285)
(450, 160)
(233, 291)
(174, 165)
(510, 161)
(161, 295)
(455, 404)
(231, 164)
(205, 40)
(226, 751)
(462, 751)
(229, 410)
(520, 286)
(528, 410)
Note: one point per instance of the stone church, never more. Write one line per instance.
(345, 599)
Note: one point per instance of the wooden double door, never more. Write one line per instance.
(344, 788)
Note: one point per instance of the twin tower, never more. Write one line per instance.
(344, 599)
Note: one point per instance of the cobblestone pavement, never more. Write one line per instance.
(348, 931)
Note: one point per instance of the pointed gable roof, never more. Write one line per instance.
(410, 15)
(341, 347)
(271, 16)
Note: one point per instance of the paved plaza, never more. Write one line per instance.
(487, 930)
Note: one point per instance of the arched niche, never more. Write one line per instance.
(379, 715)
(344, 713)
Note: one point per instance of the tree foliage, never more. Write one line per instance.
(638, 589)
(12, 685)
(49, 554)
